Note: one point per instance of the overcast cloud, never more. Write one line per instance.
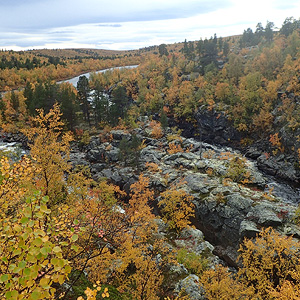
(130, 24)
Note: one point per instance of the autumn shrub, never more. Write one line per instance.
(174, 148)
(84, 139)
(50, 149)
(220, 284)
(152, 167)
(209, 154)
(270, 269)
(271, 264)
(175, 135)
(156, 130)
(275, 141)
(177, 208)
(95, 292)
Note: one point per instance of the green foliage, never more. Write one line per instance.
(196, 264)
(162, 49)
(237, 170)
(119, 105)
(163, 120)
(83, 89)
(30, 258)
(130, 150)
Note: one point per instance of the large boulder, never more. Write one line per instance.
(191, 287)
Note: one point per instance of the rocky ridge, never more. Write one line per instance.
(226, 209)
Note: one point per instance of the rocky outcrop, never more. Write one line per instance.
(191, 286)
(226, 210)
(212, 127)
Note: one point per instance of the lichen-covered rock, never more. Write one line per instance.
(191, 286)
(248, 229)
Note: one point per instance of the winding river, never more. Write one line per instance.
(74, 80)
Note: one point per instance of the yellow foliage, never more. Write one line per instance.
(49, 144)
(219, 284)
(271, 264)
(275, 141)
(177, 208)
(237, 170)
(92, 294)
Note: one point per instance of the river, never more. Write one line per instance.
(74, 80)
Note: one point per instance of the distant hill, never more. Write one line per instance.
(80, 52)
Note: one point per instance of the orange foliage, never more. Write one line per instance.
(275, 141)
(271, 265)
(156, 129)
(173, 148)
(152, 167)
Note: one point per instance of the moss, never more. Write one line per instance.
(196, 264)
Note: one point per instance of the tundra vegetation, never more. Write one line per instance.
(67, 236)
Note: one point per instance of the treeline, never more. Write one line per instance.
(250, 38)
(18, 68)
(245, 83)
(91, 104)
(253, 86)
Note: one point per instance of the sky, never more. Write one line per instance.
(131, 24)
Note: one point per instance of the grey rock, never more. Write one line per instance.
(237, 201)
(116, 178)
(120, 134)
(150, 154)
(178, 270)
(113, 155)
(96, 154)
(78, 159)
(292, 229)
(198, 182)
(106, 173)
(182, 162)
(193, 240)
(233, 223)
(228, 254)
(170, 158)
(264, 216)
(192, 287)
(95, 168)
(253, 153)
(248, 229)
